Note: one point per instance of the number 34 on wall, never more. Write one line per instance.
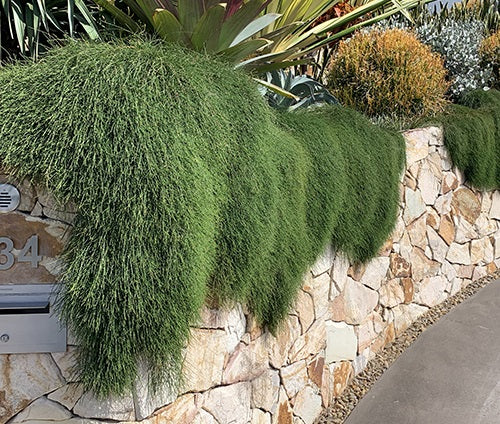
(29, 253)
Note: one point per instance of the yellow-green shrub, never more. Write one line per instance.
(490, 54)
(388, 73)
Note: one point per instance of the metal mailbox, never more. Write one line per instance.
(27, 320)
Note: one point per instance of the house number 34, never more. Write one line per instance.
(29, 253)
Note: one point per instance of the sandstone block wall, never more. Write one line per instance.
(447, 235)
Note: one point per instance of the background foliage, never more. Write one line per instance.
(457, 33)
(388, 72)
(189, 187)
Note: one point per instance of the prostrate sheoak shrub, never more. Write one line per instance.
(189, 187)
(472, 136)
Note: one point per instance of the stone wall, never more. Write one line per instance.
(446, 236)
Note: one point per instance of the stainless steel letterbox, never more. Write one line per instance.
(28, 320)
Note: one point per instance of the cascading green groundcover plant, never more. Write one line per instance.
(189, 189)
(472, 136)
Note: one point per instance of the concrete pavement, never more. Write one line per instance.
(449, 375)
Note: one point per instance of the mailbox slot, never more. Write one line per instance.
(28, 320)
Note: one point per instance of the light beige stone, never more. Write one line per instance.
(319, 288)
(446, 163)
(42, 409)
(183, 410)
(310, 343)
(67, 395)
(459, 254)
(231, 320)
(404, 315)
(307, 405)
(247, 362)
(479, 272)
(202, 417)
(450, 182)
(464, 271)
(431, 290)
(375, 272)
(405, 247)
(433, 220)
(391, 294)
(359, 301)
(417, 146)
(399, 228)
(341, 342)
(414, 207)
(204, 359)
(304, 307)
(466, 204)
(465, 231)
(229, 404)
(443, 203)
(280, 345)
(20, 385)
(417, 232)
(148, 401)
(485, 226)
(421, 265)
(339, 271)
(497, 246)
(495, 205)
(324, 262)
(265, 391)
(456, 286)
(447, 229)
(481, 251)
(294, 377)
(437, 245)
(260, 417)
(111, 408)
(428, 184)
(486, 201)
(448, 271)
(366, 335)
(434, 163)
(66, 361)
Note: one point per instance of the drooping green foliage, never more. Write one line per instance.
(472, 136)
(188, 187)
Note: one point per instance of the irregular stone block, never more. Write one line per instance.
(204, 359)
(459, 254)
(23, 378)
(42, 409)
(265, 391)
(294, 377)
(359, 301)
(375, 272)
(341, 342)
(307, 405)
(466, 204)
(111, 408)
(229, 404)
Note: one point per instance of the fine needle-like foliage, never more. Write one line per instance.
(189, 188)
(472, 136)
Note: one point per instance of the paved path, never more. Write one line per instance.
(449, 375)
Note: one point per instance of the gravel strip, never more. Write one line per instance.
(360, 385)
